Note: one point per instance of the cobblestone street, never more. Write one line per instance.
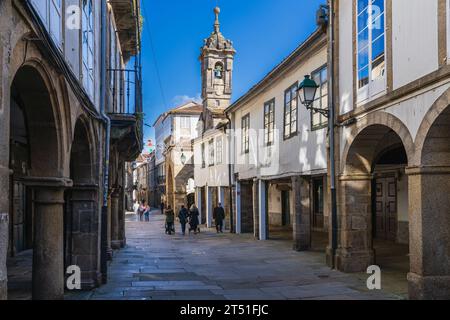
(155, 266)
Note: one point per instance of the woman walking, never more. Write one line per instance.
(170, 219)
(194, 219)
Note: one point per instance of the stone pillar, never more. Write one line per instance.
(238, 220)
(3, 255)
(262, 205)
(84, 234)
(302, 215)
(109, 251)
(355, 246)
(122, 211)
(48, 260)
(255, 194)
(209, 208)
(199, 204)
(429, 232)
(115, 241)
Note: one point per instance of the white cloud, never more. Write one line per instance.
(182, 99)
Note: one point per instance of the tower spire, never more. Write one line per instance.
(217, 23)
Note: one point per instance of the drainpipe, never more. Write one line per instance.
(230, 179)
(107, 122)
(331, 122)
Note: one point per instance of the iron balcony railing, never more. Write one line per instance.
(125, 91)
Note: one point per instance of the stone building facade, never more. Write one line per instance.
(279, 151)
(393, 126)
(53, 123)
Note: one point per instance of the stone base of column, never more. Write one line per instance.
(352, 261)
(4, 222)
(109, 254)
(428, 287)
(123, 243)
(90, 280)
(301, 245)
(116, 244)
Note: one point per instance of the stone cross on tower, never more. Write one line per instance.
(217, 55)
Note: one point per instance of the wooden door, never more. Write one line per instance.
(318, 203)
(386, 209)
(285, 209)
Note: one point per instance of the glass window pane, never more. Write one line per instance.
(362, 4)
(378, 48)
(363, 58)
(363, 77)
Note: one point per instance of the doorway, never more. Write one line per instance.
(386, 209)
(285, 208)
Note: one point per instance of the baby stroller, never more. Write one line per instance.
(170, 228)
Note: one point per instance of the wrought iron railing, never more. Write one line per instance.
(125, 91)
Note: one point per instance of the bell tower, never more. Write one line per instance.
(217, 56)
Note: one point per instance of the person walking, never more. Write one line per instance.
(170, 218)
(136, 207)
(162, 206)
(183, 217)
(194, 219)
(141, 211)
(146, 212)
(219, 216)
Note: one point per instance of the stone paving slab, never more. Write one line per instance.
(207, 266)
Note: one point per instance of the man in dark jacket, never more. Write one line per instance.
(162, 206)
(183, 217)
(219, 216)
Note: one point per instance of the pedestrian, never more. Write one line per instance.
(162, 206)
(147, 213)
(183, 216)
(219, 216)
(143, 209)
(194, 219)
(136, 209)
(170, 218)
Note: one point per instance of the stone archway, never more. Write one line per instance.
(36, 161)
(429, 181)
(373, 137)
(81, 211)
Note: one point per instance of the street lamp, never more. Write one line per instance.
(307, 93)
(183, 158)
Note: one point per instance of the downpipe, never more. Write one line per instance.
(107, 122)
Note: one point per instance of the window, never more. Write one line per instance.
(50, 14)
(290, 111)
(211, 152)
(245, 134)
(219, 150)
(218, 70)
(88, 46)
(203, 156)
(318, 120)
(371, 41)
(185, 123)
(269, 122)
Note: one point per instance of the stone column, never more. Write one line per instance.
(85, 236)
(122, 211)
(109, 251)
(48, 259)
(262, 210)
(199, 204)
(255, 194)
(237, 199)
(302, 215)
(3, 255)
(355, 246)
(115, 242)
(429, 232)
(209, 208)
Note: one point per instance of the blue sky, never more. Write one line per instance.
(263, 33)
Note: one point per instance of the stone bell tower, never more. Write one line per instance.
(217, 55)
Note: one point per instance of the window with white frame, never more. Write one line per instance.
(185, 123)
(88, 46)
(211, 152)
(219, 150)
(203, 156)
(269, 122)
(245, 134)
(319, 120)
(290, 112)
(371, 41)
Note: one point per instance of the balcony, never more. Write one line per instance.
(125, 111)
(128, 20)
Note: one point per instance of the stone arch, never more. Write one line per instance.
(82, 159)
(31, 85)
(375, 125)
(433, 134)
